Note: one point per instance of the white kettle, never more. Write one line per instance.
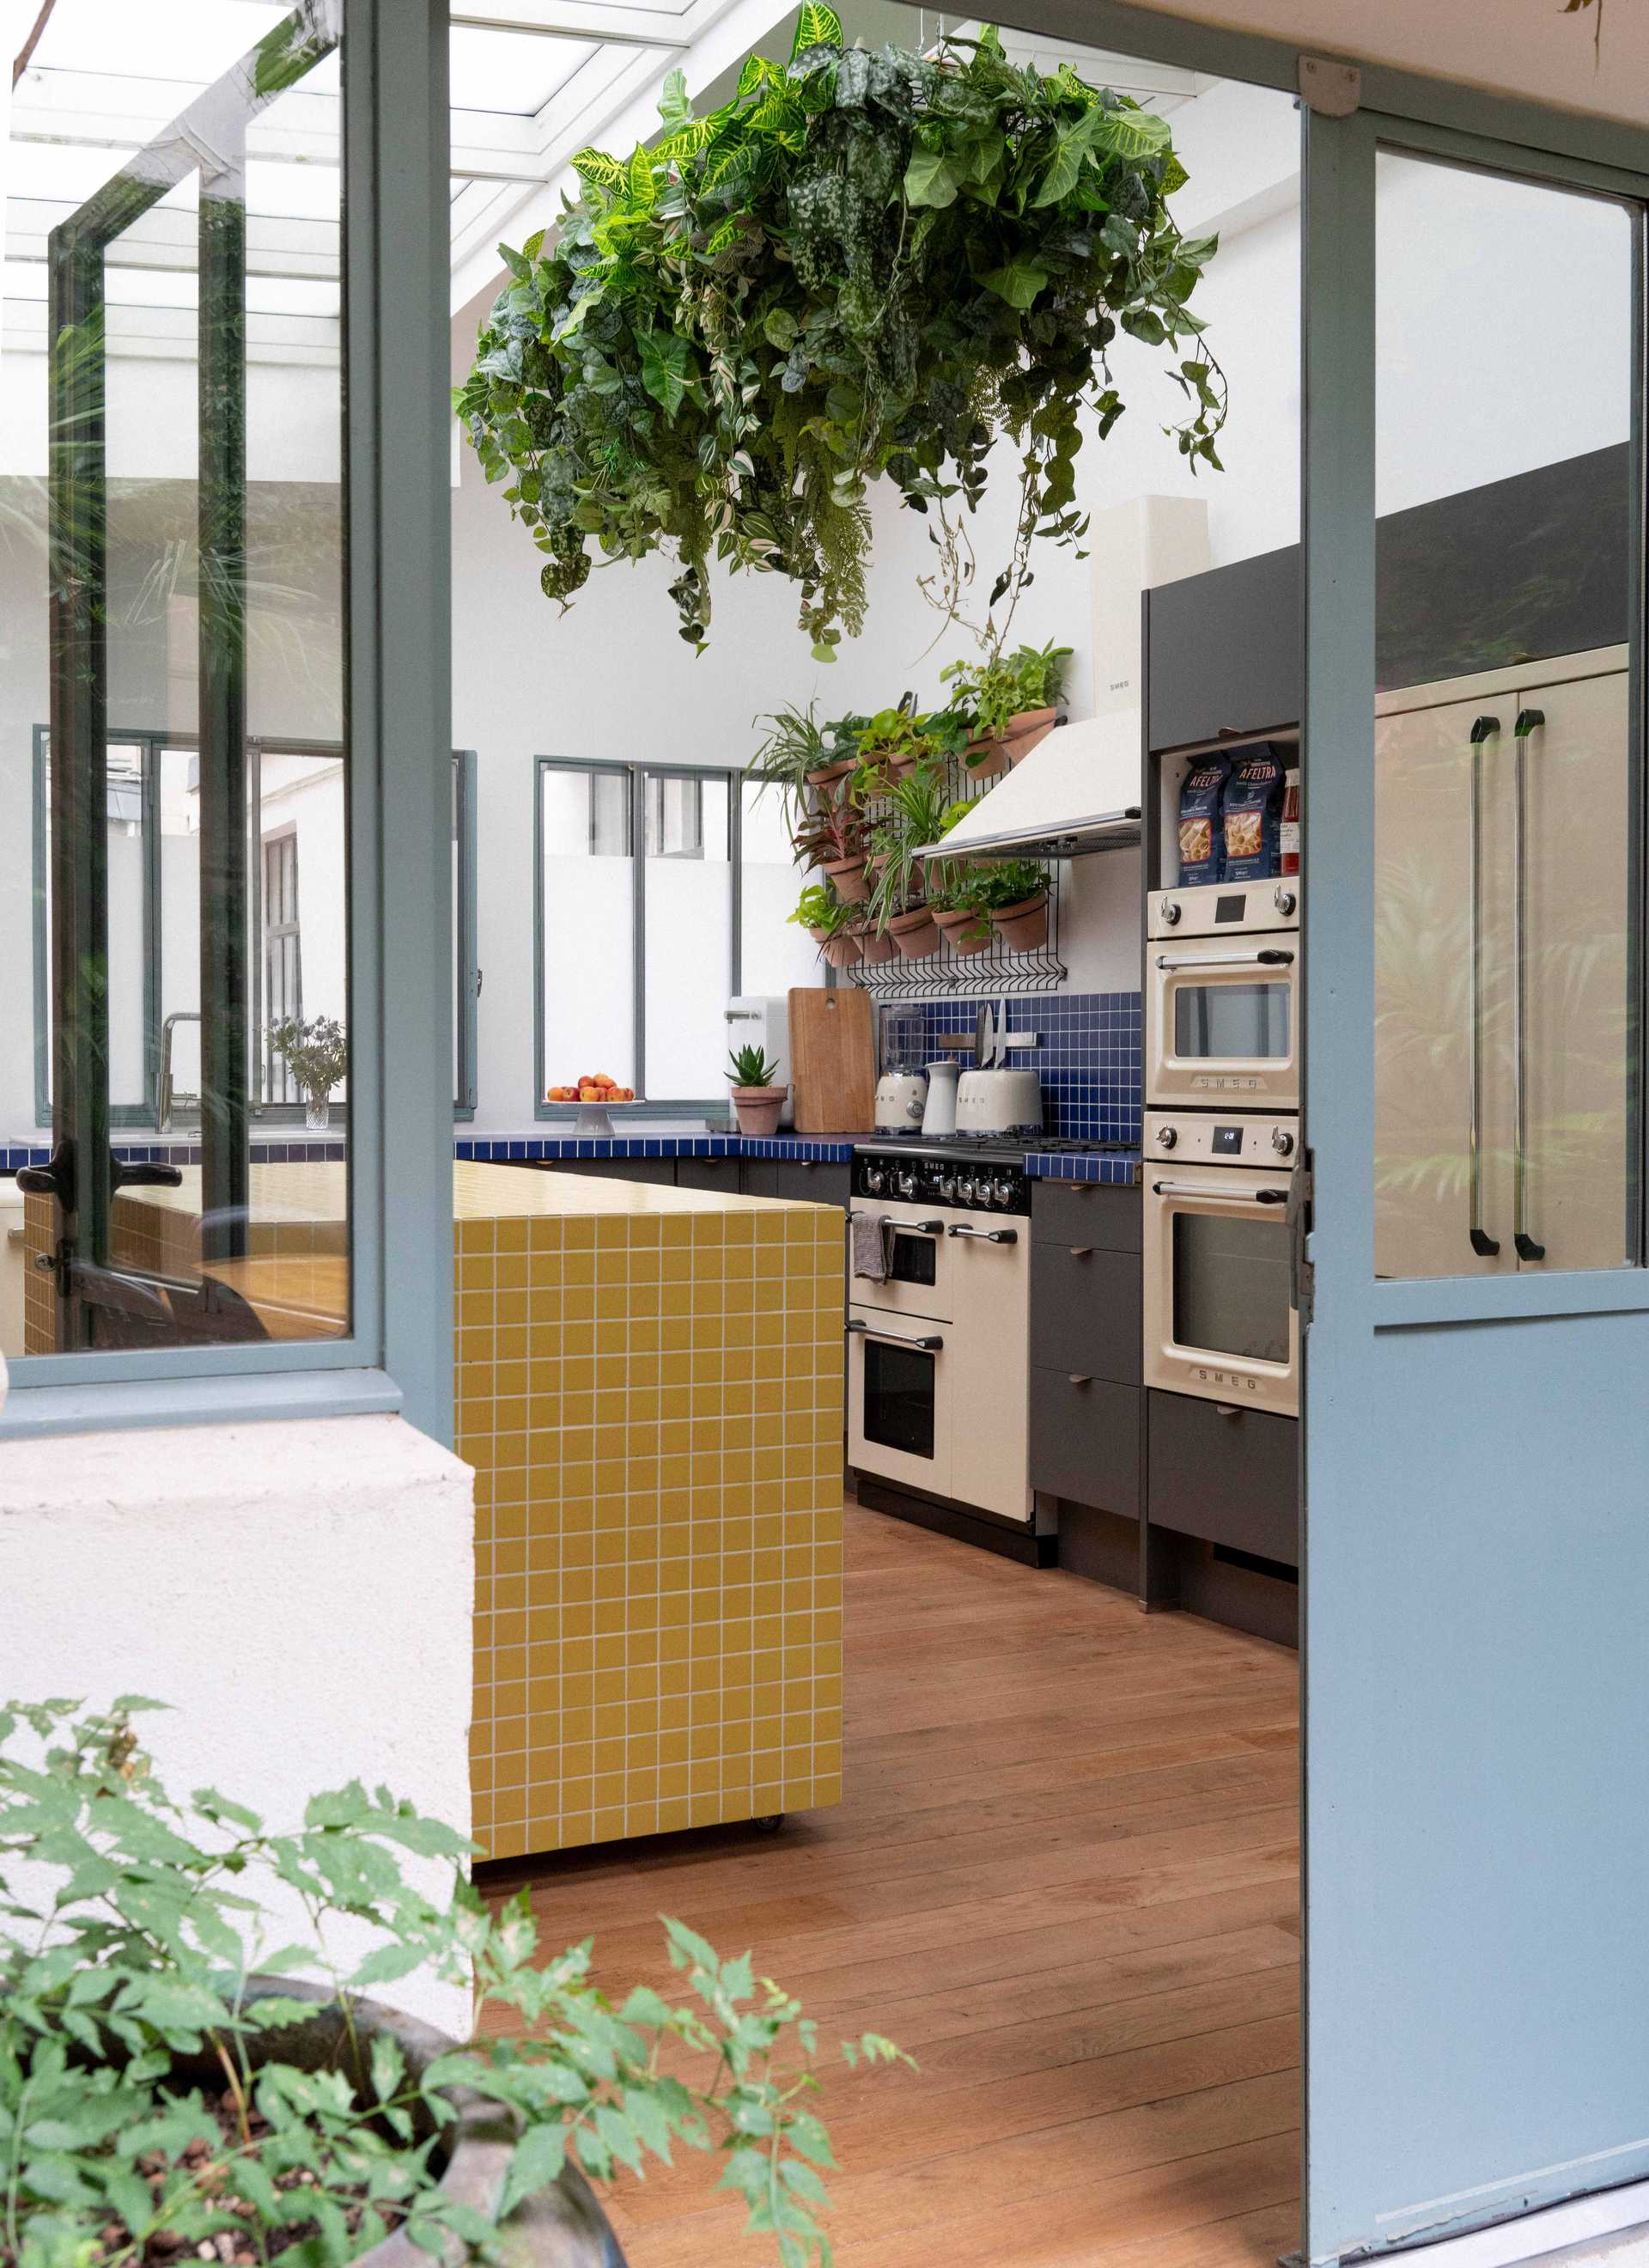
(939, 1117)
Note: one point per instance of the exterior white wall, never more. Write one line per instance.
(301, 1593)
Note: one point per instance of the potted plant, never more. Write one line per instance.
(1013, 892)
(960, 917)
(316, 1051)
(757, 1101)
(792, 756)
(918, 808)
(1013, 699)
(832, 839)
(827, 919)
(170, 2091)
(875, 947)
(893, 743)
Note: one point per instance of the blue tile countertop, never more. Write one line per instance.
(1116, 1165)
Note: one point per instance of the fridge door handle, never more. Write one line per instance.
(1529, 721)
(1484, 729)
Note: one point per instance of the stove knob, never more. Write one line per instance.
(947, 1189)
(1285, 902)
(906, 1184)
(1170, 914)
(1165, 1137)
(1002, 1192)
(875, 1179)
(965, 1189)
(1282, 1141)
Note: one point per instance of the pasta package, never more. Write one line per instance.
(1201, 844)
(1251, 814)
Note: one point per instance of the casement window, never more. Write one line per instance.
(222, 484)
(662, 892)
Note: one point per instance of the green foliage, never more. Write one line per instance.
(315, 1050)
(750, 1067)
(129, 1926)
(792, 745)
(917, 806)
(1007, 882)
(818, 908)
(863, 264)
(995, 690)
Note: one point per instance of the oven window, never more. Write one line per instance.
(1231, 1286)
(915, 1259)
(899, 1397)
(1241, 1023)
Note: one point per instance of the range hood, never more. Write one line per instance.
(1078, 791)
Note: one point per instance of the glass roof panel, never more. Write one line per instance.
(514, 73)
(193, 40)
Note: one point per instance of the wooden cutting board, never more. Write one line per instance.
(833, 1060)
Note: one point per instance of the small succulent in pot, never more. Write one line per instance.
(757, 1101)
(316, 1051)
(828, 920)
(167, 2091)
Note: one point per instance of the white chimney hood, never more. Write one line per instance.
(1078, 790)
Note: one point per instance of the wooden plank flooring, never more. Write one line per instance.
(1063, 1877)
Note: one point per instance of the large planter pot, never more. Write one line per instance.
(758, 1108)
(851, 883)
(985, 758)
(915, 933)
(875, 945)
(966, 932)
(826, 778)
(1024, 926)
(840, 948)
(562, 2226)
(1027, 730)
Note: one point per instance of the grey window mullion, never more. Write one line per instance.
(153, 935)
(638, 921)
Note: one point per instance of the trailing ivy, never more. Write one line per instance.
(865, 263)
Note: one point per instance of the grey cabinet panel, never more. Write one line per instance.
(804, 1181)
(1088, 1212)
(1087, 1441)
(760, 1177)
(718, 1173)
(1230, 1479)
(1086, 1305)
(1223, 652)
(661, 1170)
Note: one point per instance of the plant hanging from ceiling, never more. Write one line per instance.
(865, 263)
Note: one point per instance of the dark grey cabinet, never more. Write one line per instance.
(1086, 1311)
(658, 1170)
(801, 1180)
(1223, 652)
(716, 1174)
(1087, 1440)
(1103, 1213)
(1228, 1475)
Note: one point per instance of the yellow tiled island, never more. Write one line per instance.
(650, 1391)
(649, 1386)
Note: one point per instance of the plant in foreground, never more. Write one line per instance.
(130, 1936)
(751, 1067)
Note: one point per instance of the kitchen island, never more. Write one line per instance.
(649, 1388)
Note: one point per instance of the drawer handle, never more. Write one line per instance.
(1227, 1410)
(1082, 1252)
(1081, 1378)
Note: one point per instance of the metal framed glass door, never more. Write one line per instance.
(1471, 1261)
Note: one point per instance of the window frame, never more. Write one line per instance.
(397, 1353)
(636, 772)
(466, 938)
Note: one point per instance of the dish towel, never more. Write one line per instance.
(871, 1240)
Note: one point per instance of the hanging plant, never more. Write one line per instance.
(863, 264)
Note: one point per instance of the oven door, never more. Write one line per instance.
(1222, 1021)
(1219, 1320)
(920, 1266)
(899, 1401)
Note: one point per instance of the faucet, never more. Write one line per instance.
(168, 1098)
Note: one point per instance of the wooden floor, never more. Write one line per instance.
(1063, 1878)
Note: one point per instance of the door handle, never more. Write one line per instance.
(988, 1235)
(54, 1178)
(123, 1175)
(1219, 1197)
(911, 1227)
(1483, 1244)
(1528, 721)
(1271, 957)
(1082, 1252)
(1080, 1378)
(930, 1343)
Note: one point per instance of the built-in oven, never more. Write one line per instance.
(1222, 997)
(899, 1399)
(919, 1265)
(1220, 1319)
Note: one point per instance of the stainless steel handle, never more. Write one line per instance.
(1271, 957)
(911, 1227)
(1082, 1252)
(930, 1343)
(1079, 1378)
(987, 1235)
(1484, 729)
(1218, 1197)
(1528, 721)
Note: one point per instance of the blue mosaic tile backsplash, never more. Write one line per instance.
(1091, 1061)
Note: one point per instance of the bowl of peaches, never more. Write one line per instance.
(596, 1095)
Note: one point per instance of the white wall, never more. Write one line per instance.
(301, 1593)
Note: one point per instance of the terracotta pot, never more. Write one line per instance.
(841, 950)
(985, 758)
(874, 945)
(852, 884)
(1024, 926)
(758, 1108)
(966, 931)
(903, 763)
(829, 774)
(1027, 730)
(915, 932)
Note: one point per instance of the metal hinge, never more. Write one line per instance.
(1333, 89)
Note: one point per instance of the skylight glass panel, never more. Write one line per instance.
(192, 39)
(512, 72)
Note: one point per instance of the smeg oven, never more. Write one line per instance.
(1222, 997)
(1219, 1314)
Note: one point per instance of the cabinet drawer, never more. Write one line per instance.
(661, 1170)
(720, 1173)
(1085, 1441)
(810, 1181)
(1231, 1480)
(1088, 1212)
(1085, 1306)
